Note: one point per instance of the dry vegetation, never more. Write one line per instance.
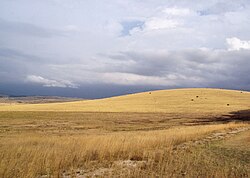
(125, 144)
(166, 101)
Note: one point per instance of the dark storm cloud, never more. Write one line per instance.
(85, 91)
(16, 65)
(189, 67)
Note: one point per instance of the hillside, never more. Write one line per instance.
(167, 101)
(184, 132)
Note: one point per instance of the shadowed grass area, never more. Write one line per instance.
(86, 123)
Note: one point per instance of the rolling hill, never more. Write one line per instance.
(165, 101)
(183, 132)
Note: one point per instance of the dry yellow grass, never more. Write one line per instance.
(167, 101)
(51, 139)
(32, 155)
(241, 141)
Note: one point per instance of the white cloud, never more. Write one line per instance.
(174, 11)
(237, 44)
(160, 23)
(50, 83)
(71, 28)
(135, 79)
(167, 18)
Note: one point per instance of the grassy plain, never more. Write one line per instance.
(166, 101)
(127, 136)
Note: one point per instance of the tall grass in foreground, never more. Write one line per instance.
(31, 155)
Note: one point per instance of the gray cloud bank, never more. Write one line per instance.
(188, 68)
(185, 68)
(122, 46)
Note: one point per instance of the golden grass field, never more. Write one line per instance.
(137, 135)
(167, 101)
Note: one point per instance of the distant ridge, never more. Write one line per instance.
(3, 95)
(4, 99)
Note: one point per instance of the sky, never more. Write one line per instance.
(102, 48)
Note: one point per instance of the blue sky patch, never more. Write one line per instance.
(129, 25)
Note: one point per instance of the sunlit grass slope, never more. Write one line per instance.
(169, 101)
